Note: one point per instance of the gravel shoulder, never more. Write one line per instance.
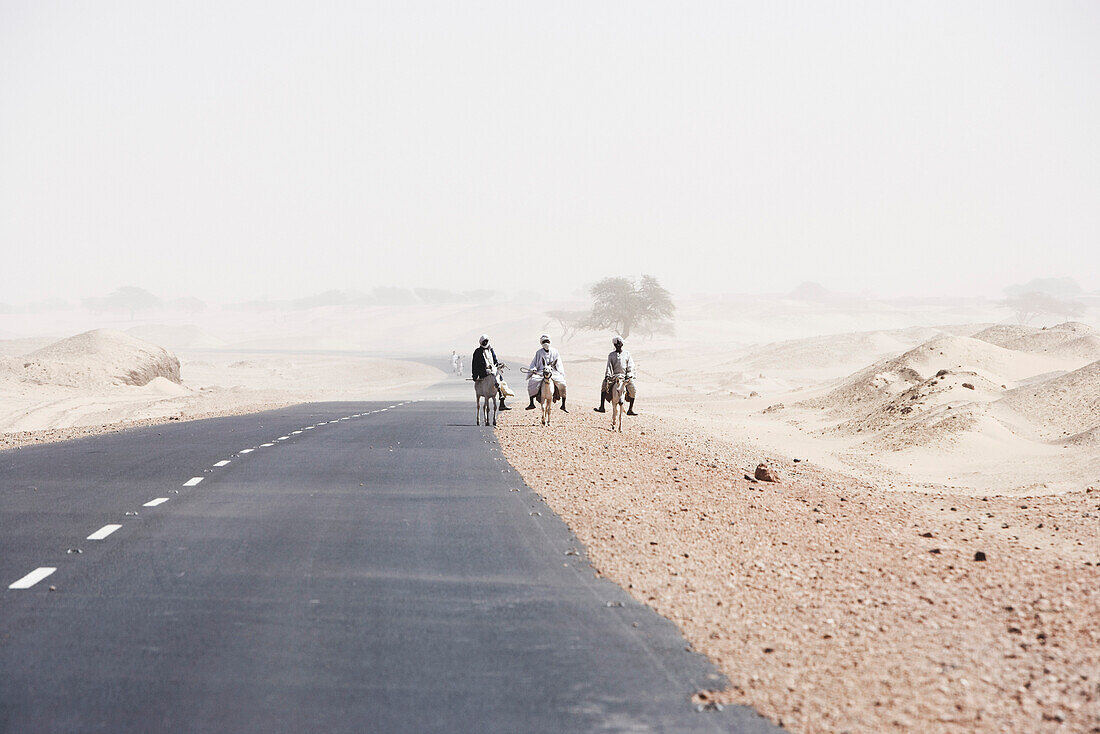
(832, 605)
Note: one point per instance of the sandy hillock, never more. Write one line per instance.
(1086, 347)
(96, 359)
(1063, 407)
(947, 386)
(1050, 339)
(1071, 340)
(931, 370)
(1004, 334)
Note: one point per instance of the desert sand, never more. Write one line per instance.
(912, 440)
(929, 557)
(104, 380)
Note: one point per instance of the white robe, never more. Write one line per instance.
(541, 359)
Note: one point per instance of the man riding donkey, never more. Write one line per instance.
(484, 362)
(619, 362)
(547, 356)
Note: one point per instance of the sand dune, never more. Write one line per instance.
(1061, 407)
(106, 379)
(946, 373)
(96, 359)
(972, 413)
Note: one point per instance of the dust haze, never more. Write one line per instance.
(877, 224)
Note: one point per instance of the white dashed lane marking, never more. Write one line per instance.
(103, 532)
(38, 574)
(32, 578)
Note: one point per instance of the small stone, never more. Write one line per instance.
(766, 474)
(979, 556)
(934, 551)
(926, 535)
(968, 386)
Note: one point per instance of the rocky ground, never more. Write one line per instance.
(832, 605)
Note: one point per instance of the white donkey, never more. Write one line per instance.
(546, 394)
(486, 388)
(618, 395)
(546, 391)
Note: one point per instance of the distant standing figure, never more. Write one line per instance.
(454, 362)
(619, 362)
(546, 356)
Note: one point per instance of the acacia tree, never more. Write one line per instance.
(127, 298)
(1034, 303)
(625, 306)
(568, 322)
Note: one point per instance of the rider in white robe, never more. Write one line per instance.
(546, 356)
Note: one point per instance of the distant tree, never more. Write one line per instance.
(568, 321)
(626, 306)
(1028, 305)
(127, 298)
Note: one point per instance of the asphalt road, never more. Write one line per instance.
(384, 570)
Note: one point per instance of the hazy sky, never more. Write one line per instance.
(232, 150)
